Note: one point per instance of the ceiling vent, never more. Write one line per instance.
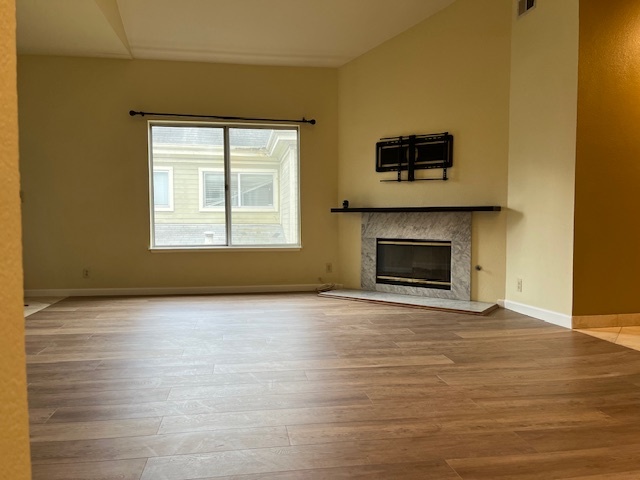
(525, 5)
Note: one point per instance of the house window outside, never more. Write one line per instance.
(253, 190)
(248, 190)
(163, 189)
(212, 189)
(228, 186)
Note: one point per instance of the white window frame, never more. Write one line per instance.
(238, 208)
(169, 170)
(228, 212)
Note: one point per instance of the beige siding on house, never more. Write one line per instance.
(187, 197)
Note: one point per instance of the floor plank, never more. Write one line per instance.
(119, 470)
(433, 470)
(122, 448)
(88, 430)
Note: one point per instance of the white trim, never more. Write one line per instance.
(88, 292)
(548, 316)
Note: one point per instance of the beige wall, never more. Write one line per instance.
(84, 166)
(607, 230)
(449, 73)
(14, 423)
(544, 62)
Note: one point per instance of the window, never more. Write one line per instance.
(163, 189)
(224, 186)
(253, 190)
(249, 190)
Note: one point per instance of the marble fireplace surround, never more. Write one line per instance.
(450, 226)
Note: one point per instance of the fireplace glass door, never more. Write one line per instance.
(417, 263)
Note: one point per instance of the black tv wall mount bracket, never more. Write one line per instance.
(415, 152)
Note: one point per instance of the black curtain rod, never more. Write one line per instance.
(133, 113)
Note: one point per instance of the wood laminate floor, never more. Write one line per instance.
(292, 387)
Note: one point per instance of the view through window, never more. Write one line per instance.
(217, 185)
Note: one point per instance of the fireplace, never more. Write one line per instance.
(417, 263)
(454, 228)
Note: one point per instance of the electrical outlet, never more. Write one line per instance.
(519, 285)
(85, 273)
(328, 268)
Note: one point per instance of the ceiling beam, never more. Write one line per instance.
(111, 12)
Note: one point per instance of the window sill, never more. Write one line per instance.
(223, 248)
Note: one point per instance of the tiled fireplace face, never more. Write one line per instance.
(450, 226)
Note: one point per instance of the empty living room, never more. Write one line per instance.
(348, 239)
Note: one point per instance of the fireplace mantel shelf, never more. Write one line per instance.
(480, 208)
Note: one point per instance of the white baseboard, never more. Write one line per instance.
(100, 292)
(548, 316)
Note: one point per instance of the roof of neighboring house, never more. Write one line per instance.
(167, 235)
(238, 137)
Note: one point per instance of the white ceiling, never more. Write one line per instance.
(323, 33)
